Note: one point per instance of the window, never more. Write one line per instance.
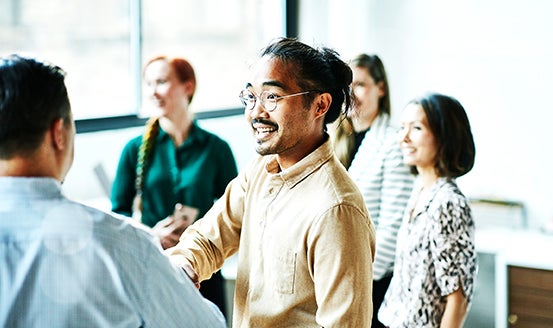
(88, 39)
(103, 43)
(217, 37)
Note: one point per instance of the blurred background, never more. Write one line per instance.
(494, 56)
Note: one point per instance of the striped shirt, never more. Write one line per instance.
(386, 184)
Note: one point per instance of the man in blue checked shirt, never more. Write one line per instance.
(63, 264)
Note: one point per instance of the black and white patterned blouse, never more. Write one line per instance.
(435, 251)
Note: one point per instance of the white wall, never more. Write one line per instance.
(494, 56)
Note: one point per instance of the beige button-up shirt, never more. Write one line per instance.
(306, 244)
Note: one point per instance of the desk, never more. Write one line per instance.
(513, 247)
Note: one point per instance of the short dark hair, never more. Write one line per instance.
(450, 126)
(316, 69)
(32, 96)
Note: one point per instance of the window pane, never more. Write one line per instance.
(88, 39)
(219, 38)
(93, 42)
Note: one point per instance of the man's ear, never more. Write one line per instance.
(323, 104)
(58, 134)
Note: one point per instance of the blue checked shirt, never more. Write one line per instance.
(63, 264)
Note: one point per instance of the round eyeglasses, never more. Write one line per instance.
(267, 99)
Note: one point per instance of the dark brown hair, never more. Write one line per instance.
(450, 126)
(316, 69)
(32, 96)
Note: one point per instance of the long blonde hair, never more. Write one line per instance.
(144, 154)
(341, 131)
(343, 139)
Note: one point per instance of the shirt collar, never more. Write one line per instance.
(436, 188)
(196, 135)
(305, 167)
(30, 187)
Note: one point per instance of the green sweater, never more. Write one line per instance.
(194, 174)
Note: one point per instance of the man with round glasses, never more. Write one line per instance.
(303, 232)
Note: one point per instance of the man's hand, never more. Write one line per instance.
(180, 261)
(191, 274)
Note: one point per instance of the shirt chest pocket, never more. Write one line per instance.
(283, 271)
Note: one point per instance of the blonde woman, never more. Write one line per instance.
(366, 144)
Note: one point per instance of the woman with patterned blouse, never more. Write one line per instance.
(435, 268)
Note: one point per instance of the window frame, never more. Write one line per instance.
(88, 125)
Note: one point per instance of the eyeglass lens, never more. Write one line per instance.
(267, 99)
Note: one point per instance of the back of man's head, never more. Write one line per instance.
(32, 96)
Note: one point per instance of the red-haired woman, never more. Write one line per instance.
(175, 169)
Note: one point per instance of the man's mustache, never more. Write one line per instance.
(265, 122)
